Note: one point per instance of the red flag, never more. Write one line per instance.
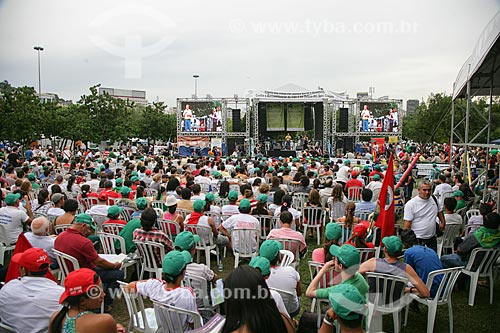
(386, 219)
(22, 245)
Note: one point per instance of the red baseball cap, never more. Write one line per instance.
(103, 196)
(148, 172)
(354, 174)
(79, 282)
(359, 230)
(34, 259)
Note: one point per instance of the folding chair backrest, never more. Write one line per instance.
(169, 227)
(286, 258)
(158, 204)
(292, 245)
(205, 233)
(200, 287)
(108, 242)
(127, 213)
(363, 215)
(173, 319)
(337, 209)
(482, 260)
(66, 263)
(136, 310)
(365, 254)
(266, 224)
(99, 220)
(112, 228)
(89, 202)
(387, 292)
(327, 279)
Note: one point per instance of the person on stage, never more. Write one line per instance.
(288, 139)
(365, 115)
(305, 142)
(187, 114)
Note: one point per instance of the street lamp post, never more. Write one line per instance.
(38, 49)
(196, 76)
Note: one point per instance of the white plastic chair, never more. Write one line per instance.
(245, 243)
(336, 209)
(148, 251)
(137, 312)
(89, 202)
(362, 215)
(200, 286)
(325, 282)
(313, 217)
(354, 193)
(127, 213)
(60, 228)
(288, 299)
(5, 245)
(479, 265)
(286, 258)
(159, 212)
(365, 254)
(62, 259)
(216, 216)
(158, 204)
(99, 220)
(108, 242)
(387, 297)
(173, 319)
(266, 224)
(292, 245)
(451, 231)
(206, 243)
(112, 228)
(166, 225)
(298, 200)
(443, 295)
(376, 194)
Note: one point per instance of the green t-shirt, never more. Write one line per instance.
(128, 234)
(357, 281)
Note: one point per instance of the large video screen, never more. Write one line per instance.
(201, 116)
(275, 116)
(295, 117)
(379, 117)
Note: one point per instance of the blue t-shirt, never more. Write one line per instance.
(424, 260)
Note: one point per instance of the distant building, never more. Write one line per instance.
(411, 106)
(136, 96)
(49, 98)
(362, 95)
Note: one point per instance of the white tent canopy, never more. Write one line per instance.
(483, 65)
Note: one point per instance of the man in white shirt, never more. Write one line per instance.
(38, 237)
(93, 182)
(231, 208)
(57, 202)
(13, 218)
(102, 207)
(284, 278)
(441, 187)
(420, 216)
(450, 215)
(170, 291)
(240, 221)
(26, 304)
(343, 173)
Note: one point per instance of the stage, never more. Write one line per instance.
(282, 153)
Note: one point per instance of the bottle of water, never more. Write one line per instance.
(220, 266)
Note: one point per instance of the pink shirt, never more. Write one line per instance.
(318, 255)
(289, 234)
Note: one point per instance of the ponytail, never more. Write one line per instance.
(57, 323)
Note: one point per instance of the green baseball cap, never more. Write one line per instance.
(270, 249)
(134, 179)
(114, 211)
(262, 198)
(210, 197)
(134, 173)
(233, 195)
(125, 190)
(11, 198)
(186, 240)
(347, 301)
(141, 202)
(118, 181)
(270, 169)
(494, 152)
(31, 177)
(393, 244)
(376, 176)
(261, 263)
(198, 205)
(457, 193)
(347, 254)
(175, 262)
(333, 231)
(346, 162)
(217, 174)
(245, 204)
(85, 219)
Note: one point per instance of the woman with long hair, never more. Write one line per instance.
(82, 295)
(42, 203)
(72, 187)
(286, 205)
(349, 220)
(256, 312)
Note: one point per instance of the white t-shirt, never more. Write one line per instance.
(44, 242)
(241, 221)
(422, 214)
(56, 211)
(12, 218)
(441, 189)
(279, 302)
(26, 304)
(285, 278)
(181, 297)
(453, 218)
(230, 210)
(343, 174)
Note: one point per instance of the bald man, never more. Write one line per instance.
(38, 237)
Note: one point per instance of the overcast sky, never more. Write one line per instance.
(405, 49)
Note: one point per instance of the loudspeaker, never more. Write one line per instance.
(348, 144)
(262, 118)
(236, 120)
(308, 118)
(344, 120)
(318, 121)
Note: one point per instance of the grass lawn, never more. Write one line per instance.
(479, 318)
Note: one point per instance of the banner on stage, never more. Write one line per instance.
(193, 141)
(216, 142)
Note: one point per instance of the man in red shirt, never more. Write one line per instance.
(108, 190)
(74, 241)
(354, 181)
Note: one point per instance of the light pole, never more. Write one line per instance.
(196, 76)
(38, 49)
